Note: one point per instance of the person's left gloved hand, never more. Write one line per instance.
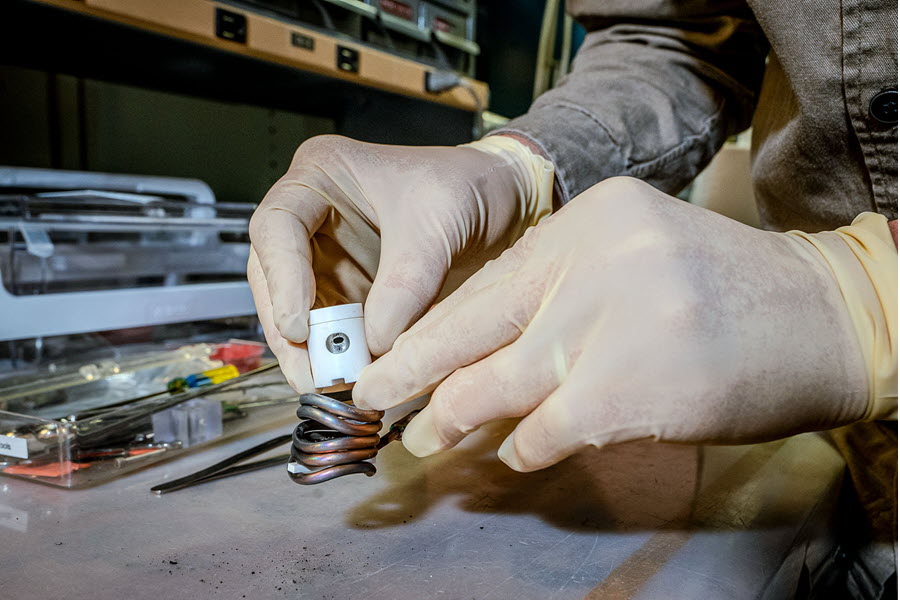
(630, 314)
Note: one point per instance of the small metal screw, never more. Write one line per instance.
(337, 343)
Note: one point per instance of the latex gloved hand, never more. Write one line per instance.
(410, 219)
(630, 314)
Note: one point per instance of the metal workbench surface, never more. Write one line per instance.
(641, 520)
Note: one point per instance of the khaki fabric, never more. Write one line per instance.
(658, 86)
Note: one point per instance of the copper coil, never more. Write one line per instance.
(334, 439)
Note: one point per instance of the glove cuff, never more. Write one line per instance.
(863, 259)
(533, 175)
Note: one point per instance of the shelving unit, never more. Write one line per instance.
(173, 45)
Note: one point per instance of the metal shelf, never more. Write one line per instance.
(171, 45)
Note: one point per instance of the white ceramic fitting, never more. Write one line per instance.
(337, 344)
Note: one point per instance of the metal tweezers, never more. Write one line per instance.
(229, 466)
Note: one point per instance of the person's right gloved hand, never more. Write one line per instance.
(384, 225)
(630, 314)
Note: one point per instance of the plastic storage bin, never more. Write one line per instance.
(95, 422)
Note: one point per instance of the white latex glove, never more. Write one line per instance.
(347, 213)
(630, 314)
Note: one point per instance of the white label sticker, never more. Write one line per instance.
(12, 446)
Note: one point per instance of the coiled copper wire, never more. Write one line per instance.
(336, 439)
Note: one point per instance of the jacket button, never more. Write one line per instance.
(883, 107)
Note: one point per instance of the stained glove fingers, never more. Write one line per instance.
(546, 436)
(509, 383)
(491, 272)
(479, 326)
(280, 231)
(603, 398)
(411, 272)
(293, 358)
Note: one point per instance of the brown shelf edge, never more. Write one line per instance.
(268, 40)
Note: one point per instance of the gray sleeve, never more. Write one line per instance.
(655, 90)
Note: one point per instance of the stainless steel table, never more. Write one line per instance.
(640, 520)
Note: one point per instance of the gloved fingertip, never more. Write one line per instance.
(381, 331)
(391, 310)
(299, 381)
(360, 401)
(368, 392)
(379, 345)
(421, 437)
(294, 364)
(508, 454)
(293, 327)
